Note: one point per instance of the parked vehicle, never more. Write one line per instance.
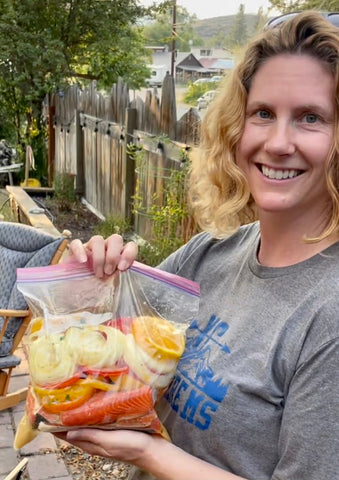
(201, 81)
(216, 78)
(206, 99)
(158, 73)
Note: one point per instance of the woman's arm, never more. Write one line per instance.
(148, 452)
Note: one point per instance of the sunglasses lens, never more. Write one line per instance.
(275, 22)
(333, 18)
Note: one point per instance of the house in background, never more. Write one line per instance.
(189, 66)
(210, 52)
(216, 61)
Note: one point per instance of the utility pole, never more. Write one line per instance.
(174, 33)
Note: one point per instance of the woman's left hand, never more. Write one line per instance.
(122, 445)
(151, 453)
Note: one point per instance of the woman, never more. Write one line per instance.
(256, 394)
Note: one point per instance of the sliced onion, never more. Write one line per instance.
(50, 360)
(153, 372)
(95, 346)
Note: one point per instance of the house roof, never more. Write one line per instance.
(223, 64)
(217, 63)
(188, 59)
(207, 62)
(188, 68)
(189, 62)
(212, 52)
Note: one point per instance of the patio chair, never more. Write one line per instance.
(21, 246)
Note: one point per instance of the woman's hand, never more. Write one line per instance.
(105, 255)
(150, 453)
(121, 445)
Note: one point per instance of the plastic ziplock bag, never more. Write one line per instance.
(101, 352)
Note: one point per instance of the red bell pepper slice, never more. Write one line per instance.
(122, 323)
(106, 372)
(64, 383)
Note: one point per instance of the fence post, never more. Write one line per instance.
(51, 144)
(131, 122)
(79, 148)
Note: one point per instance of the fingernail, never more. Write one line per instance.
(108, 269)
(83, 258)
(71, 435)
(123, 265)
(99, 272)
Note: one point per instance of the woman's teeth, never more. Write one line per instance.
(278, 174)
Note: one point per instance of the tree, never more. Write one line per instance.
(238, 35)
(47, 44)
(286, 6)
(159, 32)
(260, 21)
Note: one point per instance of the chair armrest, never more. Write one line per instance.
(26, 316)
(4, 312)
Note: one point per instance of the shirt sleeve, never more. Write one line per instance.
(309, 439)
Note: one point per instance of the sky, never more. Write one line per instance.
(217, 8)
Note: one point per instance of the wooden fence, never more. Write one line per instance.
(90, 135)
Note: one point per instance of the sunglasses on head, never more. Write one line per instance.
(332, 17)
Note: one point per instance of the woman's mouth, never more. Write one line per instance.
(278, 174)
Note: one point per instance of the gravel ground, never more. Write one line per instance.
(87, 467)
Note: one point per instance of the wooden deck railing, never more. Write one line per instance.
(25, 210)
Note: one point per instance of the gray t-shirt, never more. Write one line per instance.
(257, 389)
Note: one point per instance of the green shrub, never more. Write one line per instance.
(196, 91)
(64, 192)
(114, 224)
(6, 213)
(170, 220)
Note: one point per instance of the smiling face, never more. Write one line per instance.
(287, 136)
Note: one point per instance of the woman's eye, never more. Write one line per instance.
(265, 114)
(310, 118)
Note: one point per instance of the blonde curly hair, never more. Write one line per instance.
(218, 191)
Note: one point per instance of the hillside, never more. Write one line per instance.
(210, 27)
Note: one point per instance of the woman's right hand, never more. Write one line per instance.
(106, 255)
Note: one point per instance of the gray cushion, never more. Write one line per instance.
(9, 361)
(20, 246)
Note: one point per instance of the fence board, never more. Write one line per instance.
(94, 149)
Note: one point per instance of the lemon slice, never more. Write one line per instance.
(25, 433)
(36, 324)
(156, 373)
(160, 338)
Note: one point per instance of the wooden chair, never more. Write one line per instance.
(20, 246)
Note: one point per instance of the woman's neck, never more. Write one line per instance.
(282, 243)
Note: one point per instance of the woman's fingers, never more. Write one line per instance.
(106, 256)
(128, 255)
(77, 250)
(119, 255)
(120, 444)
(96, 247)
(114, 246)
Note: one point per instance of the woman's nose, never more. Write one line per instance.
(280, 139)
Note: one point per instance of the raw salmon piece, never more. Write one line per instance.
(136, 421)
(106, 407)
